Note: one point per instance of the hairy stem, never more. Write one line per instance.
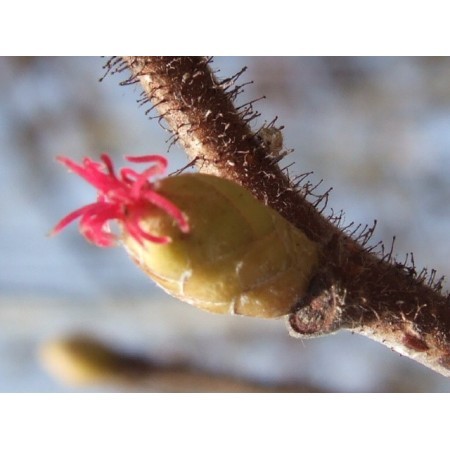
(353, 288)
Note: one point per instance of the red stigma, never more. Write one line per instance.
(125, 198)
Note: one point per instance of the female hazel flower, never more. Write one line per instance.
(203, 239)
(125, 199)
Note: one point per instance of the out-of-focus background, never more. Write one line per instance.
(375, 129)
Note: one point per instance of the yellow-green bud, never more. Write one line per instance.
(239, 256)
(203, 239)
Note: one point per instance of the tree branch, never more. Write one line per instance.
(82, 360)
(354, 288)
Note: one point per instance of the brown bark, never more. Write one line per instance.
(354, 288)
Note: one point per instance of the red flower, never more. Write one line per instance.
(126, 198)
